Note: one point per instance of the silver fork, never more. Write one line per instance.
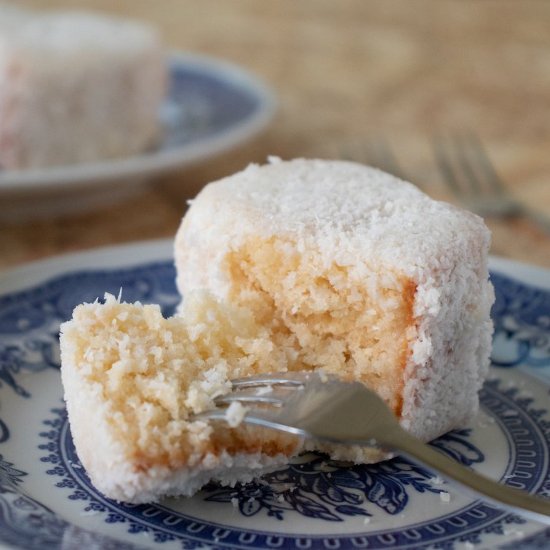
(326, 409)
(470, 175)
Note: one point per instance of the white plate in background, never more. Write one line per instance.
(211, 106)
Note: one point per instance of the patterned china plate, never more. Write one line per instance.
(47, 501)
(211, 106)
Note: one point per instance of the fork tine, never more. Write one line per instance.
(211, 414)
(390, 159)
(256, 417)
(250, 395)
(462, 147)
(481, 158)
(256, 390)
(445, 166)
(288, 379)
(380, 154)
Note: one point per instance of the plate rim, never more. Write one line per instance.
(156, 162)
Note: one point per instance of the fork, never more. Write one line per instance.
(378, 153)
(470, 175)
(326, 409)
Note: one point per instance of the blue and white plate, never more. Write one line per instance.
(211, 106)
(47, 501)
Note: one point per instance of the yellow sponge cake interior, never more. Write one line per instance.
(358, 328)
(133, 378)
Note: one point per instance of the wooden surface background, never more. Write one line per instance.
(348, 74)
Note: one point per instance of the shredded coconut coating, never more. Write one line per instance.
(377, 231)
(99, 80)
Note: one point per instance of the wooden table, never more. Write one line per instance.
(348, 73)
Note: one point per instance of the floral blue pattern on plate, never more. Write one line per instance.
(46, 499)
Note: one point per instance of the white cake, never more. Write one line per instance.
(77, 88)
(315, 265)
(357, 271)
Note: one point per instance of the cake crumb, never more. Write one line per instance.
(235, 414)
(323, 376)
(444, 496)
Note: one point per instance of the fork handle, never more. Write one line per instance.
(513, 500)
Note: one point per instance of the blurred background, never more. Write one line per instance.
(402, 84)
